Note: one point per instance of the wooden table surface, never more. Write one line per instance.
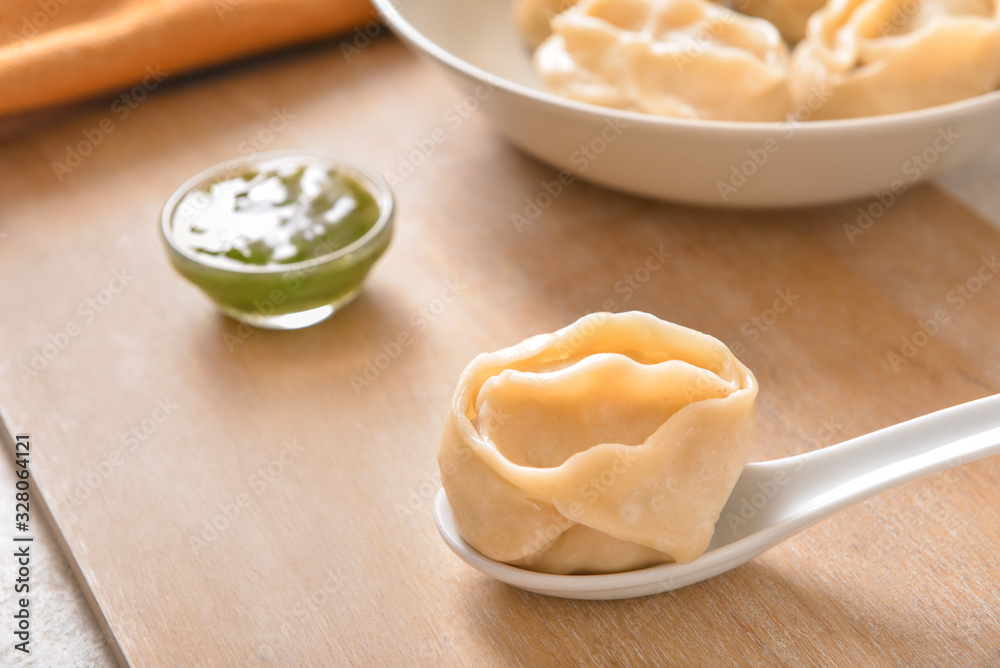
(236, 497)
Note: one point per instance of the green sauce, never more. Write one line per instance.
(280, 241)
(283, 213)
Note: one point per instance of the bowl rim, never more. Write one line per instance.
(390, 12)
(364, 175)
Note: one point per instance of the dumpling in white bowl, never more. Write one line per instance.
(681, 58)
(874, 57)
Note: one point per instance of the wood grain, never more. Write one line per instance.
(329, 555)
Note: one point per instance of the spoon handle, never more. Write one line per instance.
(814, 485)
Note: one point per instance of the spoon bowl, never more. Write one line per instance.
(775, 500)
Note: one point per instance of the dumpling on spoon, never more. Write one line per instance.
(682, 58)
(873, 57)
(609, 445)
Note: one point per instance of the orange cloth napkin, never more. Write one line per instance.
(54, 51)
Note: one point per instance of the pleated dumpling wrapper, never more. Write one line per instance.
(607, 446)
(873, 57)
(680, 58)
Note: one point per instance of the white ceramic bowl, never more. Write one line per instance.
(701, 162)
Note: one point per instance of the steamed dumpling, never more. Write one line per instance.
(873, 57)
(610, 445)
(532, 18)
(683, 58)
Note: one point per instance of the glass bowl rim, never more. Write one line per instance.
(368, 178)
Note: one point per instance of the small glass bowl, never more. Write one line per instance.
(284, 296)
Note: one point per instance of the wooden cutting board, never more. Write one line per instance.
(236, 497)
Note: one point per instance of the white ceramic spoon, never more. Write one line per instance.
(774, 500)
